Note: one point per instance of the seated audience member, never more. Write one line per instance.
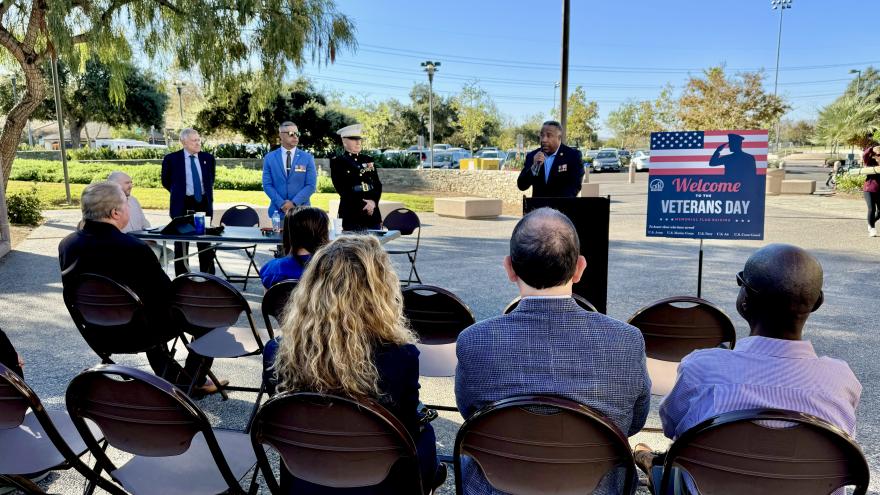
(549, 345)
(773, 367)
(137, 220)
(10, 358)
(305, 230)
(344, 333)
(100, 247)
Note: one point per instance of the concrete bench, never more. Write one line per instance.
(468, 207)
(385, 207)
(798, 186)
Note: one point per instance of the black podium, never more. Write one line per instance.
(590, 217)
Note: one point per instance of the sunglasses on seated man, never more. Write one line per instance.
(293, 133)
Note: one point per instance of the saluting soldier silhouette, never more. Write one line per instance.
(739, 166)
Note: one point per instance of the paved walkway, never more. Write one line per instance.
(465, 257)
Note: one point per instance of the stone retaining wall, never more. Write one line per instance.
(481, 183)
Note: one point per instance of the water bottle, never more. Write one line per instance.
(276, 222)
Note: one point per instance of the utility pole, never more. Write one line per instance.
(555, 87)
(858, 73)
(563, 93)
(179, 85)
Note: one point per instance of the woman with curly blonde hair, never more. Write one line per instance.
(344, 333)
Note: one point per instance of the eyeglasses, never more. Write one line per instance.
(741, 281)
(293, 133)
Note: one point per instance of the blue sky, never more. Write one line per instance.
(618, 49)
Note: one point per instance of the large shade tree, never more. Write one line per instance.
(216, 39)
(299, 103)
(85, 98)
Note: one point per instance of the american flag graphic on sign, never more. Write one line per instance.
(689, 152)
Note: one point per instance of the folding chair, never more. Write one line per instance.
(274, 301)
(437, 316)
(240, 216)
(34, 440)
(533, 444)
(675, 327)
(174, 449)
(208, 308)
(767, 451)
(110, 317)
(580, 300)
(336, 442)
(406, 221)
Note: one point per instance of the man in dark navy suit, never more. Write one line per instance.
(554, 170)
(188, 175)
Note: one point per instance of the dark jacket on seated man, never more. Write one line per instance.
(99, 247)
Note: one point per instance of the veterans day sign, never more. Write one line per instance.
(707, 184)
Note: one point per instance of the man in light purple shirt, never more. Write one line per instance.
(772, 368)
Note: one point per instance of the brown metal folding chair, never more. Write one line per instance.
(437, 316)
(335, 442)
(208, 308)
(767, 451)
(533, 445)
(110, 317)
(406, 222)
(675, 327)
(580, 300)
(34, 440)
(274, 301)
(175, 451)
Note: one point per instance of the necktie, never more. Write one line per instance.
(196, 178)
(287, 164)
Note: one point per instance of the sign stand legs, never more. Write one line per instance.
(700, 271)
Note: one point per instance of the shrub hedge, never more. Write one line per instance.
(236, 179)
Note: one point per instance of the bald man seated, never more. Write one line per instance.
(774, 367)
(137, 219)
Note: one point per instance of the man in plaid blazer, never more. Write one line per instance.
(549, 345)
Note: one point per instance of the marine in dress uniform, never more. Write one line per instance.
(357, 183)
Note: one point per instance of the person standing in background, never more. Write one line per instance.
(188, 175)
(871, 188)
(289, 173)
(357, 183)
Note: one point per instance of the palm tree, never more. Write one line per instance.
(848, 120)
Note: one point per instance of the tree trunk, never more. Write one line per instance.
(75, 128)
(34, 92)
(5, 236)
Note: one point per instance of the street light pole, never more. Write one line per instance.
(58, 113)
(179, 85)
(430, 67)
(781, 5)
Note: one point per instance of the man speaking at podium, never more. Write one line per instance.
(554, 170)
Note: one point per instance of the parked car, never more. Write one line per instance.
(625, 156)
(606, 160)
(641, 160)
(442, 159)
(500, 155)
(591, 153)
(441, 147)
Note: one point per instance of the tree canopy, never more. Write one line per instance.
(299, 103)
(582, 115)
(854, 117)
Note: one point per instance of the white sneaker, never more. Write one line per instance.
(872, 232)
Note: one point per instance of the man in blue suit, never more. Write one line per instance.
(289, 174)
(549, 345)
(188, 175)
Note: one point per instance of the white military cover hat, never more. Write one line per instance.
(354, 130)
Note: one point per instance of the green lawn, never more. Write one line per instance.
(52, 195)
